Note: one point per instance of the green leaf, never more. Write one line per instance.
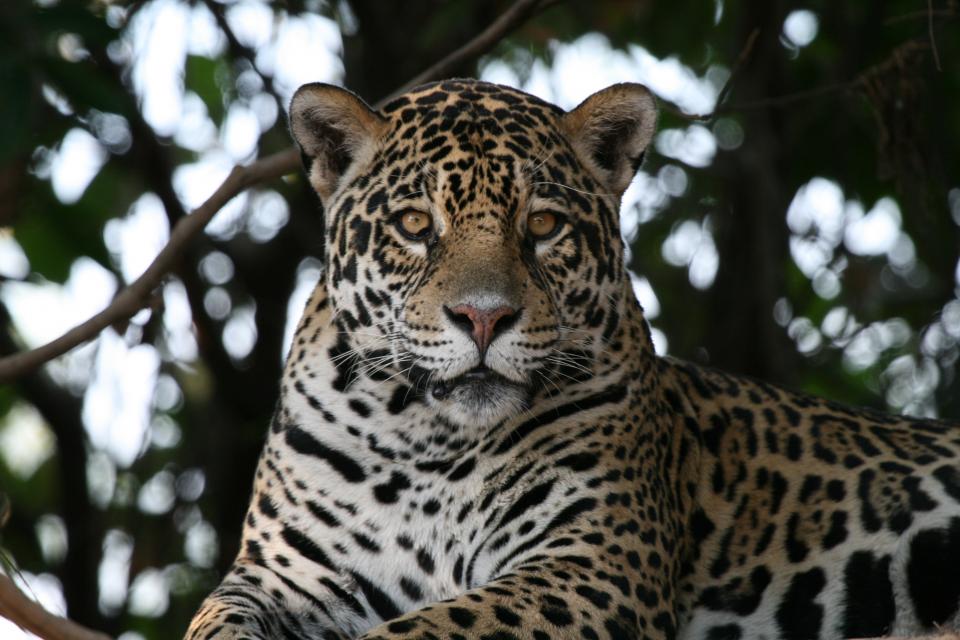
(86, 86)
(201, 75)
(53, 235)
(70, 17)
(15, 134)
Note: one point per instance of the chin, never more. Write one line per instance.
(479, 401)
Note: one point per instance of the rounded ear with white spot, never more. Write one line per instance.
(335, 129)
(611, 130)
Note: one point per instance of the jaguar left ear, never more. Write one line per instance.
(611, 130)
(334, 129)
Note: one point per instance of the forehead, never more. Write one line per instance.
(473, 118)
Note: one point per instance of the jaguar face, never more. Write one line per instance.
(472, 238)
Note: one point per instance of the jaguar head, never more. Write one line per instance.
(473, 247)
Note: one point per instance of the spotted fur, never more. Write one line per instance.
(555, 479)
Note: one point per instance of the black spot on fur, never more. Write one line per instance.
(838, 530)
(599, 599)
(267, 507)
(462, 470)
(736, 597)
(725, 632)
(402, 397)
(869, 606)
(949, 477)
(556, 611)
(360, 408)
(868, 514)
(463, 618)
(401, 626)
(798, 616)
(389, 492)
(306, 547)
(425, 560)
(303, 442)
(932, 573)
(506, 616)
(385, 607)
(797, 549)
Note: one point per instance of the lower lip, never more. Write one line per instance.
(478, 375)
(442, 389)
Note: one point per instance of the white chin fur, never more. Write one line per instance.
(478, 406)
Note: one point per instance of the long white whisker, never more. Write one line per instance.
(564, 186)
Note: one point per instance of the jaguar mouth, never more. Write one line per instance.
(477, 398)
(481, 379)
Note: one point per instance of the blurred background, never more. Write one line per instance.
(808, 233)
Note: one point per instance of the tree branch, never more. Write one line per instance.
(239, 50)
(908, 47)
(479, 45)
(29, 615)
(135, 296)
(745, 53)
(933, 39)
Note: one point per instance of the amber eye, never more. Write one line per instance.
(415, 225)
(542, 224)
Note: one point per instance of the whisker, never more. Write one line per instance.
(564, 186)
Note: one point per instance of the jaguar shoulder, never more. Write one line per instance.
(475, 438)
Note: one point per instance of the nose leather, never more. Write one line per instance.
(483, 322)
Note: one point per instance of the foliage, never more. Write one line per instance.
(808, 232)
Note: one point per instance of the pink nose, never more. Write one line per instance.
(483, 325)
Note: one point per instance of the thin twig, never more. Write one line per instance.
(727, 86)
(914, 15)
(790, 98)
(481, 44)
(136, 295)
(907, 47)
(741, 59)
(29, 615)
(238, 49)
(933, 40)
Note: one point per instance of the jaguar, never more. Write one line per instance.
(475, 437)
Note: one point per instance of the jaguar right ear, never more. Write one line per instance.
(611, 131)
(334, 129)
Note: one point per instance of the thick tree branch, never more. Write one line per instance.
(137, 294)
(134, 297)
(29, 615)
